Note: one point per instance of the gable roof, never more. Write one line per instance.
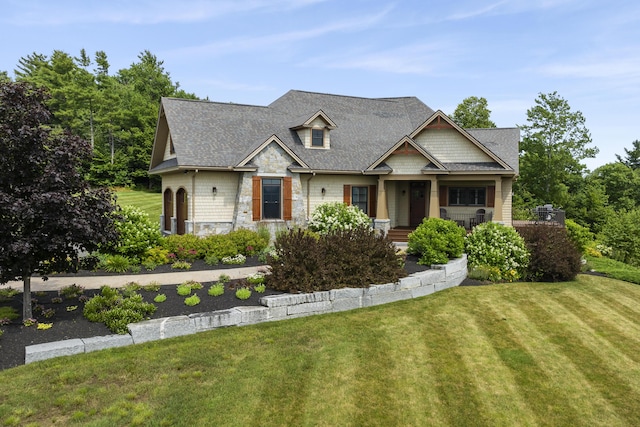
(213, 135)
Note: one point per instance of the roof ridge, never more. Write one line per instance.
(350, 96)
(206, 101)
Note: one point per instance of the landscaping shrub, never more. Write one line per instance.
(248, 242)
(115, 263)
(436, 241)
(137, 233)
(116, 311)
(335, 216)
(621, 233)
(553, 255)
(184, 246)
(154, 257)
(497, 251)
(581, 236)
(344, 258)
(218, 246)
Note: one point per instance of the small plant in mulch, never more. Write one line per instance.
(152, 287)
(48, 313)
(181, 265)
(224, 278)
(7, 294)
(260, 288)
(44, 326)
(192, 300)
(234, 260)
(72, 308)
(71, 291)
(243, 293)
(216, 289)
(183, 290)
(160, 298)
(56, 300)
(30, 322)
(256, 278)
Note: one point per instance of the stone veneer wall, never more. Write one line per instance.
(273, 307)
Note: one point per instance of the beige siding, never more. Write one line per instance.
(334, 187)
(507, 197)
(167, 150)
(218, 206)
(407, 165)
(448, 145)
(305, 134)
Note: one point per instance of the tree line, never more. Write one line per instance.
(555, 142)
(117, 113)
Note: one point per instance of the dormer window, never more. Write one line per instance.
(317, 137)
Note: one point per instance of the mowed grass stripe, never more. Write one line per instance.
(541, 368)
(618, 331)
(454, 382)
(542, 378)
(150, 203)
(499, 396)
(612, 379)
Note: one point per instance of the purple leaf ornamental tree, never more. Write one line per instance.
(48, 212)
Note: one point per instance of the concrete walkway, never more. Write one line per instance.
(172, 278)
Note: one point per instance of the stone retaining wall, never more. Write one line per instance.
(273, 307)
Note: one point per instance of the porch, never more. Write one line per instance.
(466, 220)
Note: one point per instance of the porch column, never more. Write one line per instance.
(497, 210)
(434, 199)
(381, 210)
(382, 221)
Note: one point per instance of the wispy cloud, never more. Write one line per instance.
(261, 42)
(504, 7)
(427, 58)
(47, 13)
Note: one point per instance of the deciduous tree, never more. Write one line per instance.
(48, 212)
(473, 112)
(554, 143)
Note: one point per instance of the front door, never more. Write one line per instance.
(181, 210)
(417, 203)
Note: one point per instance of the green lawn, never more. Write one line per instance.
(148, 202)
(563, 354)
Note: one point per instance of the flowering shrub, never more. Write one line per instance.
(136, 232)
(336, 216)
(498, 247)
(436, 241)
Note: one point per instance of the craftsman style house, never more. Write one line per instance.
(226, 166)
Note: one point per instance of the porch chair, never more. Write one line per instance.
(443, 214)
(478, 218)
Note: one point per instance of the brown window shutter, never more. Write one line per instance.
(491, 196)
(257, 191)
(286, 183)
(443, 195)
(347, 194)
(373, 201)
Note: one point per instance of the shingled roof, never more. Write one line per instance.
(220, 135)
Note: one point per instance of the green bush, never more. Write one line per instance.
(155, 256)
(216, 289)
(581, 236)
(137, 233)
(248, 242)
(183, 290)
(160, 298)
(116, 311)
(499, 249)
(334, 216)
(243, 293)
(192, 300)
(184, 246)
(344, 258)
(436, 241)
(622, 234)
(115, 263)
(553, 255)
(219, 246)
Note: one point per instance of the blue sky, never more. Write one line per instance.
(253, 51)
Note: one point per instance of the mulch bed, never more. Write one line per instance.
(69, 323)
